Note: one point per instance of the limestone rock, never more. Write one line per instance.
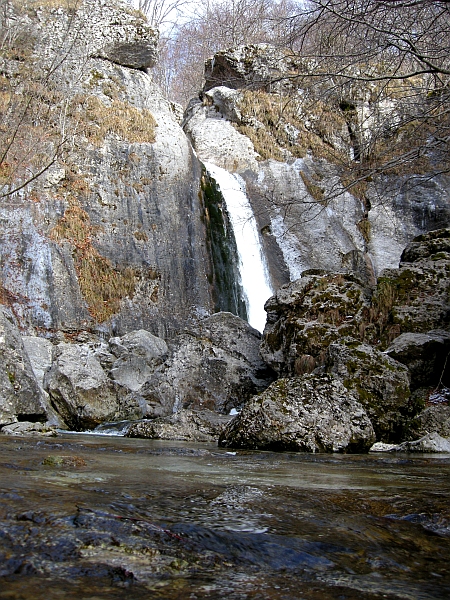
(20, 395)
(185, 425)
(112, 30)
(129, 185)
(138, 354)
(28, 428)
(215, 139)
(380, 383)
(314, 413)
(419, 288)
(433, 419)
(305, 316)
(216, 367)
(39, 352)
(79, 388)
(432, 442)
(425, 356)
(253, 66)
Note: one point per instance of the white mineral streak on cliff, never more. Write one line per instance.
(288, 244)
(252, 265)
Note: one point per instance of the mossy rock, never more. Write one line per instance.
(380, 382)
(313, 413)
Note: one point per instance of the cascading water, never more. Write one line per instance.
(253, 269)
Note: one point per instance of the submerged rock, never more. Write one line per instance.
(315, 413)
(185, 425)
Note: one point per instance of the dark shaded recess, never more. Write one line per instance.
(226, 288)
(32, 417)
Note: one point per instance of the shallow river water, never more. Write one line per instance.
(96, 517)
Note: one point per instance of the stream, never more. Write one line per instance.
(102, 517)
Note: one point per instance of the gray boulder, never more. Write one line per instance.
(315, 413)
(380, 383)
(79, 388)
(254, 66)
(138, 354)
(20, 395)
(433, 419)
(217, 367)
(305, 316)
(185, 425)
(419, 287)
(425, 355)
(431, 442)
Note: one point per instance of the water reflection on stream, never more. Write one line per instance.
(90, 517)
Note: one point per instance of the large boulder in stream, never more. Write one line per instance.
(305, 316)
(20, 395)
(313, 413)
(79, 388)
(380, 383)
(217, 366)
(138, 354)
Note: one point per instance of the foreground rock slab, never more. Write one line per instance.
(315, 413)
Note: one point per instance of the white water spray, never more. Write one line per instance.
(252, 265)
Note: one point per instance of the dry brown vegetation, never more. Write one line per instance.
(97, 120)
(102, 285)
(275, 122)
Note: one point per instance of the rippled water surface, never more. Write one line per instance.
(95, 517)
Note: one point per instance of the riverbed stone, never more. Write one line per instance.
(20, 395)
(313, 413)
(185, 425)
(380, 383)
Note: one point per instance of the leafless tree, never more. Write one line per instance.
(386, 63)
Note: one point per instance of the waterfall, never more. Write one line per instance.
(253, 269)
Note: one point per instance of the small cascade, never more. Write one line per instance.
(253, 269)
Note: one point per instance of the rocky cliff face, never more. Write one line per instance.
(289, 146)
(111, 238)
